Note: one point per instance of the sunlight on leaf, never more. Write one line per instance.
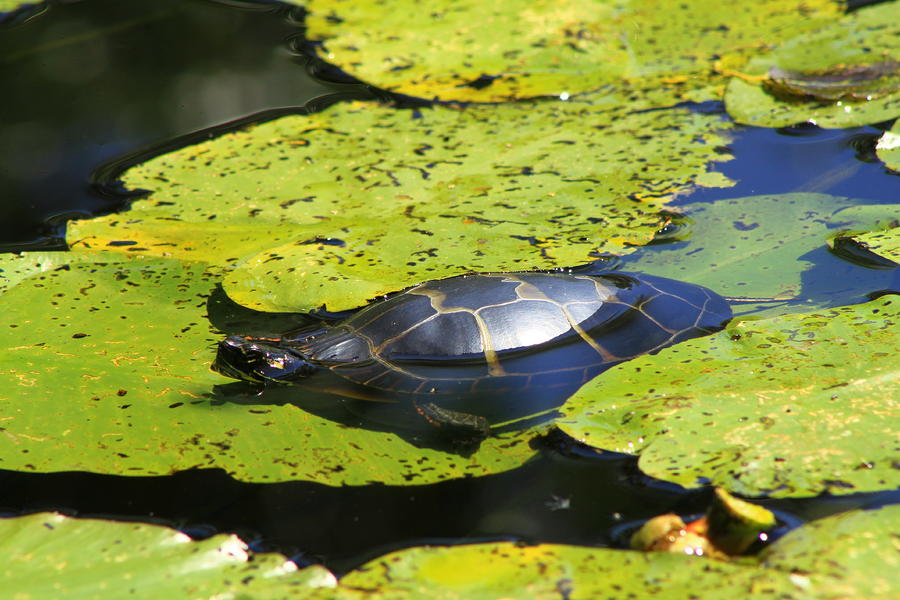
(338, 207)
(848, 556)
(794, 405)
(844, 75)
(489, 52)
(48, 555)
(106, 365)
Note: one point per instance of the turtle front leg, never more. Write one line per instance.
(456, 425)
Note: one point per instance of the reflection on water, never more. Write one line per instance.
(88, 81)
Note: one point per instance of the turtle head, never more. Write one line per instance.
(259, 361)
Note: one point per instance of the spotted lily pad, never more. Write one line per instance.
(496, 52)
(765, 247)
(888, 147)
(862, 82)
(846, 556)
(794, 405)
(105, 362)
(48, 555)
(845, 74)
(876, 246)
(337, 207)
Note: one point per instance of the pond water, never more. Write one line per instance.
(94, 85)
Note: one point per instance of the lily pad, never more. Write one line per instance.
(106, 367)
(11, 5)
(763, 247)
(888, 148)
(877, 245)
(337, 207)
(48, 555)
(844, 75)
(794, 405)
(489, 52)
(849, 556)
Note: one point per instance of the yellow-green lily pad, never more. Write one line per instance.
(844, 75)
(489, 52)
(10, 5)
(794, 405)
(337, 207)
(105, 363)
(877, 244)
(48, 555)
(852, 555)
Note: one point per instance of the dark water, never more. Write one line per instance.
(89, 82)
(86, 82)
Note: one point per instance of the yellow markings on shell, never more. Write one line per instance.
(490, 355)
(437, 299)
(532, 292)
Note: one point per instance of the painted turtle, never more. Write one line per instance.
(474, 350)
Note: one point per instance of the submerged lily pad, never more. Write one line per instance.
(337, 207)
(794, 405)
(888, 147)
(48, 555)
(106, 367)
(844, 75)
(763, 247)
(492, 52)
(846, 556)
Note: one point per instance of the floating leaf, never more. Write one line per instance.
(48, 555)
(876, 245)
(10, 5)
(492, 52)
(474, 50)
(764, 247)
(843, 75)
(849, 555)
(888, 147)
(842, 82)
(105, 364)
(846, 556)
(794, 405)
(337, 207)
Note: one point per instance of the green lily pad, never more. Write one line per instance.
(48, 555)
(106, 367)
(761, 247)
(878, 243)
(474, 50)
(488, 52)
(844, 75)
(11, 5)
(337, 207)
(848, 556)
(794, 405)
(888, 147)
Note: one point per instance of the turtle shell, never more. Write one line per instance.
(487, 334)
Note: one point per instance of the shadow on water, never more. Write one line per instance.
(568, 494)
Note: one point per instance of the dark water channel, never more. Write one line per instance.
(85, 83)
